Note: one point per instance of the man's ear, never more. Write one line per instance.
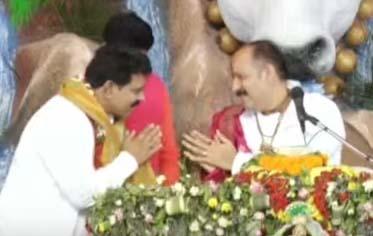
(268, 71)
(107, 88)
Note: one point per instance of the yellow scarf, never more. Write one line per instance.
(79, 93)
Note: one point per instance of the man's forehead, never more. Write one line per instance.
(243, 54)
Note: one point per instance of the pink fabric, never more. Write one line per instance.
(157, 109)
(228, 123)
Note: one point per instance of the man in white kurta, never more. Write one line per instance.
(52, 179)
(289, 132)
(270, 118)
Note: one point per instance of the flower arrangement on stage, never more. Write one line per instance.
(323, 201)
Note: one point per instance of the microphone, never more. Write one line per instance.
(297, 94)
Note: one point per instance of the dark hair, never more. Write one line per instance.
(117, 65)
(269, 52)
(127, 29)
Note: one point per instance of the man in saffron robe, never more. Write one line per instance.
(268, 120)
(52, 180)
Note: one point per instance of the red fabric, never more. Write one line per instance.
(228, 123)
(98, 153)
(157, 109)
(99, 145)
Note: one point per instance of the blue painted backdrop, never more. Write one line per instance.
(8, 46)
(153, 12)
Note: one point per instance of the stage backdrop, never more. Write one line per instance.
(153, 11)
(8, 45)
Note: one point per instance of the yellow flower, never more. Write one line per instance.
(101, 227)
(213, 202)
(253, 169)
(348, 171)
(316, 213)
(282, 216)
(226, 207)
(329, 226)
(262, 174)
(318, 216)
(352, 186)
(230, 179)
(315, 172)
(273, 172)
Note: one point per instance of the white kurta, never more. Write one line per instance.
(52, 179)
(290, 134)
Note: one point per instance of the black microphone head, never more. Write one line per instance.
(297, 92)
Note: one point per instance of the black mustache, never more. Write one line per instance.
(135, 103)
(241, 92)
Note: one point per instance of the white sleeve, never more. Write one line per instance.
(328, 113)
(239, 160)
(66, 147)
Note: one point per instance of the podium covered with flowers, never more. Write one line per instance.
(261, 200)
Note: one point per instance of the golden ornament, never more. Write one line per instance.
(346, 61)
(357, 34)
(214, 14)
(333, 85)
(227, 42)
(365, 9)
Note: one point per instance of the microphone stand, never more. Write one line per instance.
(317, 123)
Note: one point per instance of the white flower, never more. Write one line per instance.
(208, 227)
(119, 214)
(159, 202)
(368, 207)
(219, 232)
(166, 229)
(237, 193)
(334, 204)
(141, 186)
(100, 132)
(303, 193)
(256, 188)
(188, 176)
(258, 232)
(259, 216)
(214, 186)
(340, 233)
(194, 226)
(118, 202)
(292, 182)
(244, 212)
(331, 188)
(201, 219)
(350, 211)
(179, 188)
(112, 219)
(133, 215)
(290, 194)
(194, 191)
(142, 209)
(149, 218)
(368, 186)
(160, 179)
(223, 222)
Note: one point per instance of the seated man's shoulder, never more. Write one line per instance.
(319, 102)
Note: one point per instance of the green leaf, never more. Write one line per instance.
(22, 10)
